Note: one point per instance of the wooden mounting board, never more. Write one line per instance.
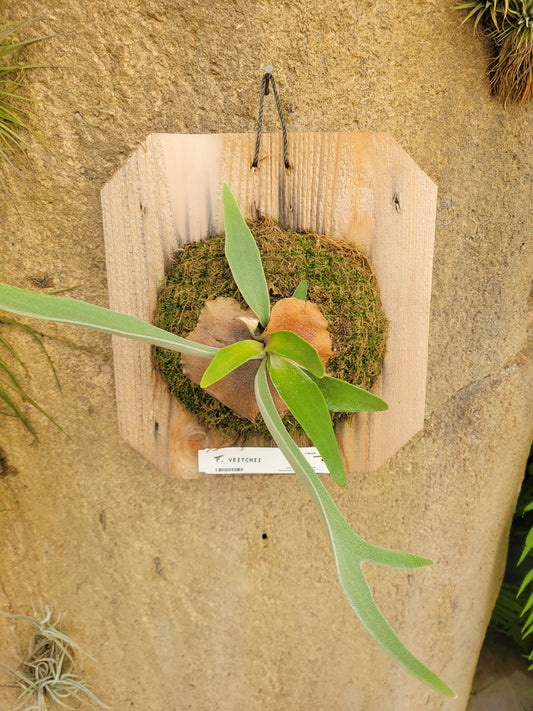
(361, 187)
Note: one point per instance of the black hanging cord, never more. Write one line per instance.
(266, 83)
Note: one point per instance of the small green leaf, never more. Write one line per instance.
(526, 632)
(15, 385)
(229, 358)
(39, 342)
(294, 347)
(14, 382)
(528, 545)
(528, 624)
(78, 313)
(10, 348)
(528, 605)
(17, 412)
(301, 291)
(307, 404)
(244, 259)
(527, 508)
(349, 549)
(525, 583)
(341, 396)
(11, 375)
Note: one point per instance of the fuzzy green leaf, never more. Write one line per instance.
(301, 291)
(79, 313)
(349, 549)
(244, 259)
(341, 396)
(229, 358)
(307, 404)
(290, 345)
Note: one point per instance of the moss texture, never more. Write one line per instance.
(340, 281)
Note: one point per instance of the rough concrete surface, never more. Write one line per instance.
(171, 584)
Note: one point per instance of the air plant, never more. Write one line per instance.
(48, 673)
(289, 372)
(509, 24)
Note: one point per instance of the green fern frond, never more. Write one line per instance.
(511, 615)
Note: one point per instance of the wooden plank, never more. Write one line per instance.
(361, 187)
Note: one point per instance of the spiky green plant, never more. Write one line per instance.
(14, 114)
(296, 370)
(509, 23)
(12, 392)
(14, 124)
(48, 674)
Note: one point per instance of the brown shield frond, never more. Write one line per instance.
(222, 321)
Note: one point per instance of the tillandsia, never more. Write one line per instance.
(288, 371)
(509, 23)
(48, 676)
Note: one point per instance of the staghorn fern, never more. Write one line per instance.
(297, 372)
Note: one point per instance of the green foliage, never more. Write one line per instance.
(48, 676)
(290, 345)
(12, 392)
(13, 114)
(513, 611)
(527, 556)
(509, 23)
(286, 362)
(333, 269)
(506, 614)
(301, 291)
(307, 404)
(244, 259)
(229, 358)
(60, 308)
(345, 397)
(349, 549)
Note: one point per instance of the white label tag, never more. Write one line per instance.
(254, 460)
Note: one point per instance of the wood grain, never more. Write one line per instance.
(361, 187)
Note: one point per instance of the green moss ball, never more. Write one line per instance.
(340, 281)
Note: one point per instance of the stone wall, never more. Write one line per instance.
(171, 584)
